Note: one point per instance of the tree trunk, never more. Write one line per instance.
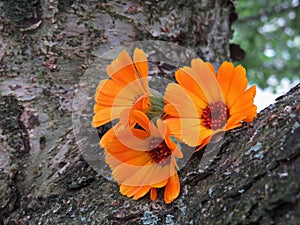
(47, 47)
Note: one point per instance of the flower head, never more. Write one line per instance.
(127, 88)
(206, 102)
(142, 149)
(144, 158)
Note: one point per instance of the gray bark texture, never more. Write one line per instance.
(45, 48)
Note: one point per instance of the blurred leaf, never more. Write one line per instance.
(269, 32)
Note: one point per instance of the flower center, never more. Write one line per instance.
(215, 115)
(159, 151)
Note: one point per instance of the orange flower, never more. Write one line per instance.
(205, 103)
(127, 88)
(143, 159)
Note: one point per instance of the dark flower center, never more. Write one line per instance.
(159, 151)
(215, 115)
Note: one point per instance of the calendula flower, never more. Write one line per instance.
(204, 103)
(142, 149)
(144, 158)
(127, 88)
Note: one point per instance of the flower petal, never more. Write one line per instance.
(153, 194)
(211, 67)
(128, 190)
(145, 175)
(141, 64)
(141, 192)
(122, 69)
(186, 78)
(235, 121)
(109, 135)
(238, 85)
(181, 103)
(190, 131)
(251, 114)
(105, 115)
(225, 77)
(203, 143)
(172, 189)
(207, 81)
(243, 104)
(160, 184)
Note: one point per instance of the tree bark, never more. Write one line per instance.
(45, 180)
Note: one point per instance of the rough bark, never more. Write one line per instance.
(45, 180)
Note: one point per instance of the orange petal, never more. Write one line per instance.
(174, 148)
(180, 103)
(225, 77)
(141, 192)
(171, 145)
(98, 108)
(137, 159)
(153, 194)
(123, 72)
(177, 153)
(128, 190)
(238, 85)
(99, 88)
(111, 93)
(211, 67)
(153, 175)
(131, 175)
(172, 189)
(115, 101)
(125, 155)
(127, 119)
(170, 110)
(184, 76)
(203, 136)
(243, 103)
(235, 121)
(251, 114)
(109, 135)
(187, 130)
(175, 125)
(162, 173)
(122, 69)
(203, 144)
(252, 90)
(104, 116)
(207, 81)
(162, 129)
(135, 140)
(107, 87)
(141, 118)
(141, 64)
(194, 136)
(135, 175)
(160, 184)
(134, 89)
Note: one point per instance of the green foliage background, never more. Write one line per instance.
(269, 32)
